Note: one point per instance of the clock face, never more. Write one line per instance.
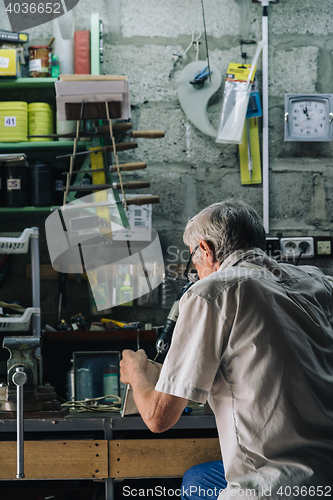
(308, 118)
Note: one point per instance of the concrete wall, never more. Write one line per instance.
(187, 169)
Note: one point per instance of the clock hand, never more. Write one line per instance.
(308, 118)
(305, 110)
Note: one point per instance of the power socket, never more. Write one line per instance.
(290, 247)
(323, 246)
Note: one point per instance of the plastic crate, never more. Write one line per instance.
(18, 323)
(16, 245)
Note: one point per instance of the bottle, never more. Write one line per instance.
(126, 292)
(111, 382)
(55, 71)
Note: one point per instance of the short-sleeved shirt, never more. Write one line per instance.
(255, 339)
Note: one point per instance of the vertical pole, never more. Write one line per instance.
(19, 379)
(20, 430)
(36, 324)
(109, 489)
(35, 277)
(265, 155)
(109, 484)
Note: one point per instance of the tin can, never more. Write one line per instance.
(17, 182)
(40, 58)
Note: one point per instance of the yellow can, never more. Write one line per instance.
(13, 121)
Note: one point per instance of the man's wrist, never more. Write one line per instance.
(137, 377)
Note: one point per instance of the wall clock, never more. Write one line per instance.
(308, 117)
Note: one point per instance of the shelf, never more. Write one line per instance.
(100, 336)
(9, 210)
(26, 83)
(22, 146)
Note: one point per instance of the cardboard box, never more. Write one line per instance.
(91, 87)
(71, 93)
(9, 63)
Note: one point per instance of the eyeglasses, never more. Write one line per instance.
(188, 265)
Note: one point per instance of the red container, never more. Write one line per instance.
(40, 61)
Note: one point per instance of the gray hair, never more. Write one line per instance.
(229, 225)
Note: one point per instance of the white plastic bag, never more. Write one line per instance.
(235, 102)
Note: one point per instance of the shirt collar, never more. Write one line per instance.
(240, 255)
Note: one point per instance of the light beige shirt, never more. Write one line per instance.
(255, 339)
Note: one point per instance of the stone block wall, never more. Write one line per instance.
(186, 168)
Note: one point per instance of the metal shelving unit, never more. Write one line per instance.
(18, 246)
(33, 147)
(26, 83)
(19, 147)
(19, 210)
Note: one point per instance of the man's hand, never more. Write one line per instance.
(159, 411)
(132, 363)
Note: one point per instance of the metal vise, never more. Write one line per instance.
(37, 397)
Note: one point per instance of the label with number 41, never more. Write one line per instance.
(10, 121)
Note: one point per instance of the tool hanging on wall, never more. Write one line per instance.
(249, 149)
(103, 132)
(198, 81)
(235, 100)
(97, 162)
(249, 153)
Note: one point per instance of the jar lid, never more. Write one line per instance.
(13, 105)
(41, 106)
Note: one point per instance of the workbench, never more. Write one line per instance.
(107, 447)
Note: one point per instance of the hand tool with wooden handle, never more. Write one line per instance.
(121, 146)
(143, 200)
(114, 185)
(104, 131)
(116, 127)
(145, 134)
(128, 167)
(140, 200)
(101, 131)
(124, 167)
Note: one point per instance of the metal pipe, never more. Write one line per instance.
(19, 378)
(265, 152)
(35, 276)
(36, 321)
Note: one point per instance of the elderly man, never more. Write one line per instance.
(254, 337)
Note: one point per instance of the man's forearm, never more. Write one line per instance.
(146, 399)
(159, 411)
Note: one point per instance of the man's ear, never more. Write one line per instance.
(208, 248)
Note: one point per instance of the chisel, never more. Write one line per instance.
(116, 127)
(121, 146)
(143, 200)
(144, 134)
(114, 185)
(140, 200)
(105, 132)
(124, 167)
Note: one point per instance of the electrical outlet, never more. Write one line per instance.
(324, 248)
(290, 247)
